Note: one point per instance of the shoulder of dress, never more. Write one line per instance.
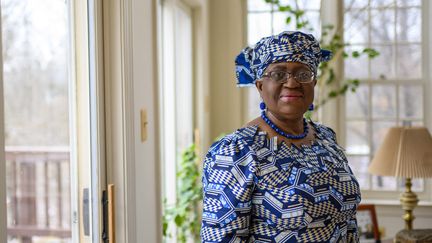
(237, 141)
(324, 131)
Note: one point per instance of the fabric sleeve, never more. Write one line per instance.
(352, 234)
(228, 183)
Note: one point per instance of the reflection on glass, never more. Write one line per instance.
(411, 101)
(382, 66)
(259, 25)
(359, 166)
(409, 61)
(408, 26)
(357, 103)
(382, 26)
(357, 141)
(356, 27)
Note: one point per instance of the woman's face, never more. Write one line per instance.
(289, 100)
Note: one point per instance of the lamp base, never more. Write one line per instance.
(409, 201)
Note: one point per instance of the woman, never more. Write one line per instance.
(280, 178)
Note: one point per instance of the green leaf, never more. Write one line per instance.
(355, 54)
(286, 8)
(333, 93)
(345, 55)
(165, 228)
(288, 20)
(372, 53)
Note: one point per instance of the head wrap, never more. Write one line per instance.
(288, 46)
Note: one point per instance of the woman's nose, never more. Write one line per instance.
(291, 82)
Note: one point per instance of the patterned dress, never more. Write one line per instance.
(258, 191)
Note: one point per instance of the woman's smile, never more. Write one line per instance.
(292, 96)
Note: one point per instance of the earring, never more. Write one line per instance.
(262, 105)
(311, 107)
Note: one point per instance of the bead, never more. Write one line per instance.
(280, 132)
(262, 105)
(311, 107)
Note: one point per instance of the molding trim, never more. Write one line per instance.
(3, 215)
(119, 114)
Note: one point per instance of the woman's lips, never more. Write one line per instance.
(290, 97)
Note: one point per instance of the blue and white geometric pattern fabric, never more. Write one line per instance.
(256, 190)
(288, 46)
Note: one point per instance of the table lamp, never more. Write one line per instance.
(405, 152)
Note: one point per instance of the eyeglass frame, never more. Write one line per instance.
(290, 75)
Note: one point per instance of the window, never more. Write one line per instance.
(36, 101)
(176, 91)
(265, 19)
(53, 121)
(391, 85)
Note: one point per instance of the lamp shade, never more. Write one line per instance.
(405, 152)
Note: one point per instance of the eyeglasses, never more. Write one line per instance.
(281, 77)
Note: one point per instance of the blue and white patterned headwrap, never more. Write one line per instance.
(288, 46)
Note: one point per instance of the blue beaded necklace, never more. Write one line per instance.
(282, 133)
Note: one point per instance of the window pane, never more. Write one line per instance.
(356, 67)
(259, 25)
(382, 3)
(303, 4)
(349, 4)
(405, 3)
(356, 27)
(280, 24)
(357, 141)
(314, 26)
(383, 101)
(258, 5)
(359, 165)
(382, 66)
(417, 184)
(384, 183)
(409, 61)
(379, 131)
(411, 101)
(408, 26)
(382, 26)
(357, 103)
(36, 67)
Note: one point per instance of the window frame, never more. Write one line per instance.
(391, 197)
(333, 112)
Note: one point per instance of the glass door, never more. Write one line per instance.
(52, 115)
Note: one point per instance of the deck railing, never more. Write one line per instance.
(38, 193)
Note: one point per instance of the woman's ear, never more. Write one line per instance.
(258, 85)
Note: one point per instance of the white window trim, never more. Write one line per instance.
(3, 216)
(333, 112)
(392, 197)
(130, 84)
